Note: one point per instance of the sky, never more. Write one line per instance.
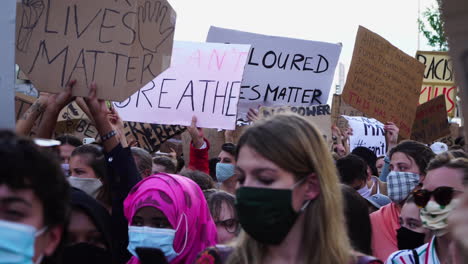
(329, 21)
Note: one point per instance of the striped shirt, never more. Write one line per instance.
(426, 254)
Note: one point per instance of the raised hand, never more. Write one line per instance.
(97, 107)
(155, 24)
(196, 133)
(391, 134)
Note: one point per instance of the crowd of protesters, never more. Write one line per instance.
(280, 194)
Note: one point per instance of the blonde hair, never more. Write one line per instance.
(296, 145)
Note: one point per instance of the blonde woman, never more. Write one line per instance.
(289, 200)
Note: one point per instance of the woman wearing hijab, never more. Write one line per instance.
(169, 213)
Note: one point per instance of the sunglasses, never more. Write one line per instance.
(442, 195)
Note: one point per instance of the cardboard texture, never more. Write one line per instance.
(204, 80)
(339, 108)
(121, 45)
(319, 115)
(383, 82)
(455, 16)
(367, 132)
(431, 121)
(22, 104)
(438, 78)
(74, 121)
(282, 71)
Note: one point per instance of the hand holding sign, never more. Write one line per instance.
(391, 134)
(152, 18)
(56, 102)
(196, 133)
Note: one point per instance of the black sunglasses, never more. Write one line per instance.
(442, 195)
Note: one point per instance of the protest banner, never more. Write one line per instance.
(319, 115)
(438, 78)
(282, 71)
(455, 16)
(339, 108)
(204, 80)
(383, 82)
(120, 45)
(74, 121)
(431, 121)
(367, 132)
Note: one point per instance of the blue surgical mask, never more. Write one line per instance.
(149, 237)
(224, 171)
(17, 243)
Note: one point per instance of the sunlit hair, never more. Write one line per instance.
(449, 160)
(297, 146)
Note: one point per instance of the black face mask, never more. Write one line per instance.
(86, 253)
(408, 239)
(266, 214)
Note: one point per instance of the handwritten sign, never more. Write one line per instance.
(319, 115)
(438, 78)
(383, 82)
(367, 132)
(282, 71)
(121, 45)
(431, 121)
(204, 80)
(339, 108)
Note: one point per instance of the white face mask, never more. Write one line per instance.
(435, 217)
(366, 191)
(91, 186)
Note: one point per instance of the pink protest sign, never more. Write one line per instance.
(204, 80)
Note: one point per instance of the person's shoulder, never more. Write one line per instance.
(406, 255)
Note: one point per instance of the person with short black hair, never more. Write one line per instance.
(225, 168)
(34, 195)
(352, 171)
(143, 161)
(202, 179)
(163, 164)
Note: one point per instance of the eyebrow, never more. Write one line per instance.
(14, 199)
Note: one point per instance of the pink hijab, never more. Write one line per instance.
(175, 195)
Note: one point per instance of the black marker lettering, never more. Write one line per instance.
(162, 92)
(106, 26)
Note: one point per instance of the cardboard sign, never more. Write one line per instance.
(438, 78)
(319, 115)
(339, 108)
(282, 71)
(367, 132)
(383, 82)
(22, 104)
(429, 92)
(431, 121)
(121, 45)
(204, 80)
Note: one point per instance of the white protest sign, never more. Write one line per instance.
(367, 132)
(204, 80)
(282, 71)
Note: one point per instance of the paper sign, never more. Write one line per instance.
(429, 92)
(339, 108)
(367, 132)
(431, 121)
(282, 71)
(121, 45)
(204, 80)
(438, 78)
(319, 115)
(383, 82)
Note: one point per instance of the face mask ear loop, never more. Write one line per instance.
(305, 206)
(186, 232)
(40, 232)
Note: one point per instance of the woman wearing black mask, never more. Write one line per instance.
(89, 234)
(411, 234)
(289, 201)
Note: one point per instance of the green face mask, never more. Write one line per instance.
(266, 214)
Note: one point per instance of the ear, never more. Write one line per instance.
(147, 172)
(52, 238)
(312, 187)
(422, 177)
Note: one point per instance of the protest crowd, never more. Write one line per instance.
(93, 176)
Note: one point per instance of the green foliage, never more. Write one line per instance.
(433, 29)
